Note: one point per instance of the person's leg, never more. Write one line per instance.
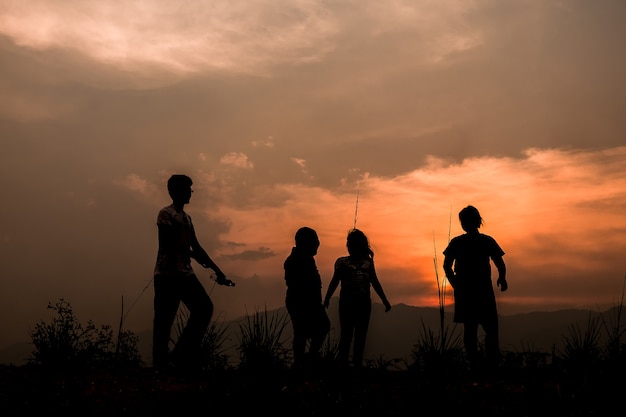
(346, 322)
(299, 340)
(200, 306)
(166, 301)
(362, 321)
(492, 339)
(470, 341)
(321, 325)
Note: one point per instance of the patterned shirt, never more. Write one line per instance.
(174, 256)
(355, 275)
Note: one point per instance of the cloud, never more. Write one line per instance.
(546, 232)
(251, 255)
(137, 184)
(238, 36)
(150, 42)
(416, 108)
(237, 159)
(301, 163)
(267, 143)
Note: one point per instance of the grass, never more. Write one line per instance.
(214, 348)
(583, 378)
(262, 342)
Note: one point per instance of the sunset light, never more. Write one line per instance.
(387, 116)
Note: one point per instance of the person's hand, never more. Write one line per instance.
(222, 280)
(501, 282)
(387, 306)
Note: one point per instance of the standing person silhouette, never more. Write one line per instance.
(176, 282)
(304, 298)
(468, 269)
(356, 273)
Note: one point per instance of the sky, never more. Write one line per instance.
(388, 116)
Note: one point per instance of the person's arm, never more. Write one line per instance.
(202, 257)
(447, 268)
(165, 237)
(379, 290)
(332, 286)
(501, 282)
(167, 247)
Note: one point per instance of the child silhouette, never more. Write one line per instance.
(468, 269)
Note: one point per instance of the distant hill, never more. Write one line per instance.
(392, 335)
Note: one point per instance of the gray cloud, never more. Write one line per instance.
(422, 106)
(251, 255)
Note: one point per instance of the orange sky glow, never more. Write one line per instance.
(554, 223)
(283, 113)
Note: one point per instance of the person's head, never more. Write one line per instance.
(358, 245)
(307, 240)
(470, 218)
(179, 188)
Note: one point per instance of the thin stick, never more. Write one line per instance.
(137, 299)
(356, 208)
(119, 331)
(441, 288)
(450, 224)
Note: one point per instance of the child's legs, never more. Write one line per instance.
(166, 301)
(299, 338)
(321, 327)
(492, 339)
(362, 322)
(346, 321)
(200, 307)
(470, 340)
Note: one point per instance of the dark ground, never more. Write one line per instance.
(29, 391)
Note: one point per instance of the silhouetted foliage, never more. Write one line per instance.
(213, 356)
(262, 346)
(329, 353)
(64, 342)
(615, 329)
(582, 346)
(527, 356)
(437, 353)
(586, 351)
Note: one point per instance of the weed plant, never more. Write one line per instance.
(585, 350)
(262, 342)
(213, 356)
(438, 352)
(65, 343)
(615, 348)
(329, 353)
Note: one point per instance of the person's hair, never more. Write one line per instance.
(178, 182)
(307, 241)
(305, 236)
(470, 218)
(358, 245)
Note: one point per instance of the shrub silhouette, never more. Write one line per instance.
(213, 356)
(261, 344)
(438, 353)
(64, 342)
